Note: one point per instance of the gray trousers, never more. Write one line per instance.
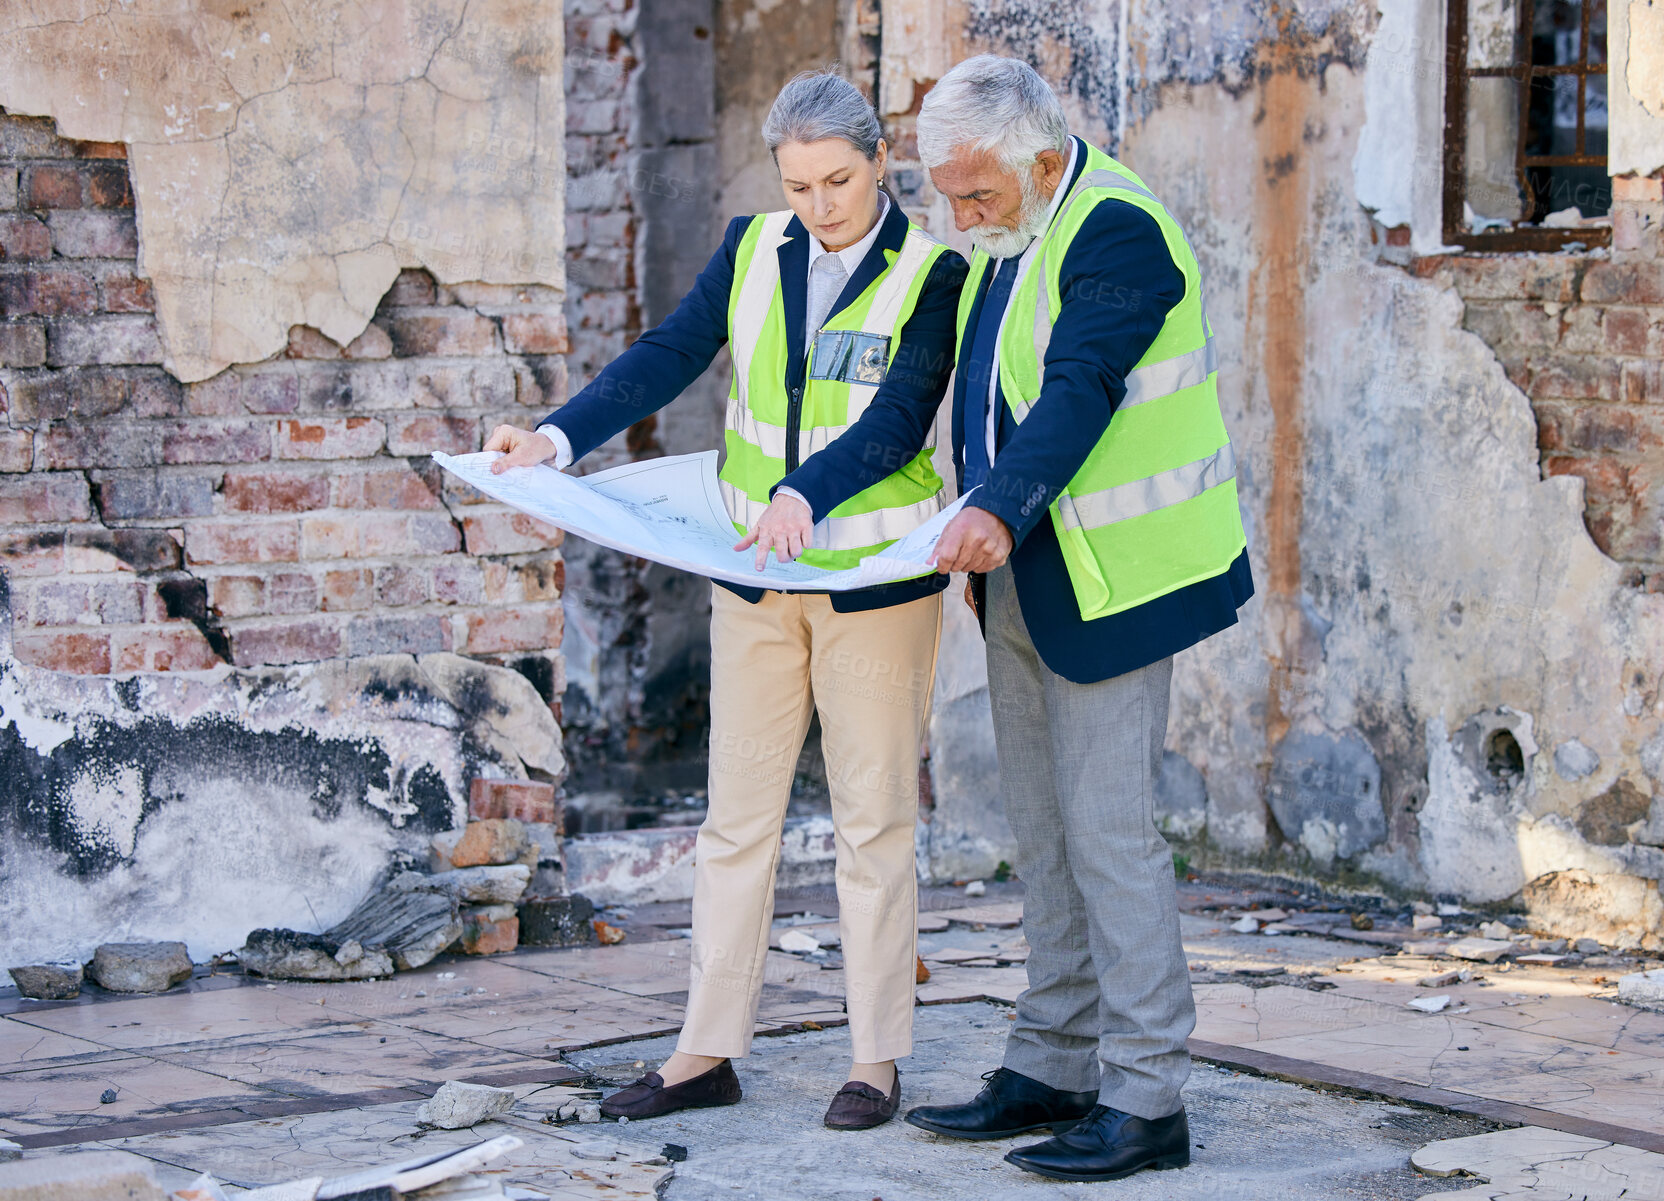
(1108, 1003)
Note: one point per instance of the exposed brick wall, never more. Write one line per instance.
(1583, 336)
(277, 513)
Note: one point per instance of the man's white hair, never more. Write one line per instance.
(992, 104)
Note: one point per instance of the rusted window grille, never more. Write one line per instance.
(1525, 125)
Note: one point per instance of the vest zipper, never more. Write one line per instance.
(794, 420)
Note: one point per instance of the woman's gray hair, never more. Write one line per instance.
(992, 104)
(817, 105)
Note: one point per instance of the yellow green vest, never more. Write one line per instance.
(1154, 507)
(755, 428)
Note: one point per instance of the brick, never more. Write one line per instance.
(529, 627)
(1624, 281)
(1574, 378)
(88, 549)
(329, 438)
(244, 541)
(398, 634)
(378, 486)
(177, 598)
(1624, 331)
(234, 392)
(1606, 481)
(36, 553)
(115, 339)
(346, 589)
(49, 292)
(210, 441)
(522, 800)
(17, 450)
(162, 648)
(540, 383)
(8, 187)
(137, 495)
(398, 586)
(291, 592)
(277, 641)
(459, 581)
(39, 498)
(541, 579)
(83, 149)
(1637, 189)
(1612, 429)
(535, 333)
(91, 234)
(108, 186)
(378, 535)
(31, 137)
(124, 292)
(441, 332)
(132, 393)
(274, 490)
(413, 286)
(53, 187)
(485, 934)
(1643, 382)
(1506, 276)
(1578, 328)
(73, 602)
(506, 531)
(424, 433)
(308, 343)
(23, 238)
(79, 653)
(237, 595)
(22, 344)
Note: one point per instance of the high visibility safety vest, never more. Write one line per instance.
(842, 371)
(1154, 507)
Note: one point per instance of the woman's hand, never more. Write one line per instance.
(521, 448)
(784, 528)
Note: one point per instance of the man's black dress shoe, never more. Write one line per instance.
(1108, 1145)
(1010, 1103)
(650, 1096)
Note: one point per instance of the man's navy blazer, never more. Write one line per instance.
(661, 363)
(1118, 283)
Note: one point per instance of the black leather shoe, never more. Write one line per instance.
(1010, 1103)
(1108, 1145)
(650, 1096)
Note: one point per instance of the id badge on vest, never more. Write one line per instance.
(849, 356)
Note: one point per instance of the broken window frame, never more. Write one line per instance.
(1457, 73)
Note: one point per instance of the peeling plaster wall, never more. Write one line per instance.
(1441, 680)
(289, 159)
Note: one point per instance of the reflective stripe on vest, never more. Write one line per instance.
(1153, 507)
(755, 424)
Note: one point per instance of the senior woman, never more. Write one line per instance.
(839, 315)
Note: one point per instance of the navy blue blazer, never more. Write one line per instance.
(662, 362)
(1118, 283)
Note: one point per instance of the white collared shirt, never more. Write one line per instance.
(1025, 261)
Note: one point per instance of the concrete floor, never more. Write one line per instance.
(1256, 1138)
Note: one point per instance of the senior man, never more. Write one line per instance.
(1104, 538)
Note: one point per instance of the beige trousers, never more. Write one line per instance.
(869, 677)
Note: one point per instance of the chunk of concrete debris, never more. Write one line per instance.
(1436, 1004)
(1432, 947)
(489, 929)
(976, 888)
(1246, 925)
(1587, 946)
(1541, 959)
(1645, 990)
(57, 981)
(1485, 950)
(556, 921)
(1426, 921)
(203, 1188)
(402, 1179)
(471, 885)
(1362, 921)
(799, 942)
(140, 966)
(606, 933)
(9, 1150)
(493, 842)
(81, 1176)
(458, 1105)
(1445, 979)
(282, 954)
(1495, 930)
(589, 1113)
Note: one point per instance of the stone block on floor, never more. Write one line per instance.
(489, 929)
(140, 966)
(104, 1175)
(557, 921)
(493, 842)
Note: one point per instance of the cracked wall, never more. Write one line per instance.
(255, 644)
(289, 159)
(1443, 684)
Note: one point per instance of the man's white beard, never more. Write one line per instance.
(998, 242)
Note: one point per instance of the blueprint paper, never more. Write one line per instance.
(670, 510)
